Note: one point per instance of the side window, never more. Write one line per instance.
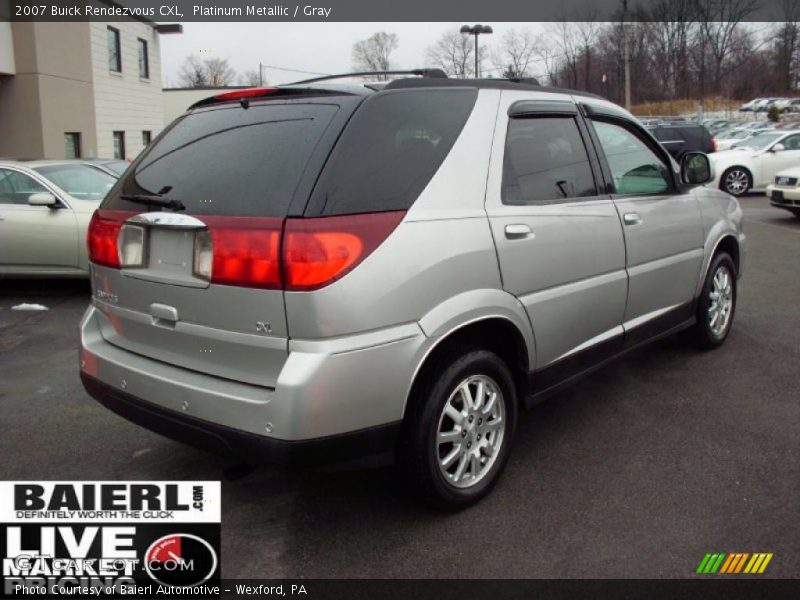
(636, 169)
(545, 159)
(15, 187)
(792, 142)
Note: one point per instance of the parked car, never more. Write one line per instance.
(45, 207)
(680, 139)
(756, 161)
(763, 104)
(783, 104)
(750, 106)
(112, 166)
(366, 270)
(784, 191)
(735, 137)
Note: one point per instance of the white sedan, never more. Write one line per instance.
(755, 161)
(45, 208)
(784, 191)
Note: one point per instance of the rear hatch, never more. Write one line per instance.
(200, 287)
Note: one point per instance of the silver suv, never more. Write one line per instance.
(326, 272)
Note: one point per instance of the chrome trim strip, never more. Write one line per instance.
(606, 335)
(167, 219)
(640, 320)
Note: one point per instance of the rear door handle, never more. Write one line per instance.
(518, 231)
(631, 218)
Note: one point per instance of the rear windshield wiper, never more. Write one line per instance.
(156, 199)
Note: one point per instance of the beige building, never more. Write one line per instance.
(80, 89)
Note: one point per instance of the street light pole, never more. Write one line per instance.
(475, 31)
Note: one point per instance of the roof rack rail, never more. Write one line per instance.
(434, 73)
(528, 80)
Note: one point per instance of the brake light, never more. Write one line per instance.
(247, 93)
(318, 251)
(103, 235)
(713, 144)
(244, 251)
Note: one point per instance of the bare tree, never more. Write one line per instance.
(193, 73)
(564, 38)
(220, 73)
(454, 53)
(213, 72)
(719, 23)
(516, 53)
(374, 53)
(251, 79)
(786, 43)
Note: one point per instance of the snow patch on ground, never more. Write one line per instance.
(26, 306)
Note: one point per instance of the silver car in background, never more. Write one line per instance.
(324, 272)
(45, 208)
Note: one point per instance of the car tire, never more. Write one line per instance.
(454, 471)
(717, 301)
(736, 181)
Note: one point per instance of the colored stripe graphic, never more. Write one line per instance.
(701, 567)
(734, 563)
(767, 558)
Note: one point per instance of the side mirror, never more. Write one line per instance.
(778, 147)
(42, 199)
(696, 169)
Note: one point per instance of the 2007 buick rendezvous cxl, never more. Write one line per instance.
(325, 272)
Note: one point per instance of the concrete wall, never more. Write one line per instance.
(51, 93)
(124, 101)
(7, 64)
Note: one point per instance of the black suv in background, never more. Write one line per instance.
(680, 139)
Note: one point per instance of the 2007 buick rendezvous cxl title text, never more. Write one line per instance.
(324, 272)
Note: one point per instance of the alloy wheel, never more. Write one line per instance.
(471, 431)
(720, 301)
(737, 182)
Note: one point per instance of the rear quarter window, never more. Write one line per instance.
(390, 150)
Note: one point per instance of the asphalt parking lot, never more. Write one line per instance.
(637, 471)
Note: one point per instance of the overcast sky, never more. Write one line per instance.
(314, 47)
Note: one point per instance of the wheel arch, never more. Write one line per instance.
(491, 332)
(726, 242)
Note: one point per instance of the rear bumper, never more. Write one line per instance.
(334, 400)
(240, 445)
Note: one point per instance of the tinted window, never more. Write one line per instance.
(545, 159)
(144, 59)
(230, 161)
(15, 187)
(636, 169)
(79, 181)
(390, 150)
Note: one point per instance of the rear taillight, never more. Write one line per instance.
(318, 251)
(243, 251)
(102, 239)
(315, 252)
(713, 144)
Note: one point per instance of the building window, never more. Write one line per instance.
(146, 137)
(114, 54)
(72, 145)
(144, 61)
(119, 145)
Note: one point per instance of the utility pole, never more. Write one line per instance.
(626, 54)
(260, 78)
(476, 31)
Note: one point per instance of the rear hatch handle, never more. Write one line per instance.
(163, 315)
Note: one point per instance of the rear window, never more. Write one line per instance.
(230, 161)
(387, 154)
